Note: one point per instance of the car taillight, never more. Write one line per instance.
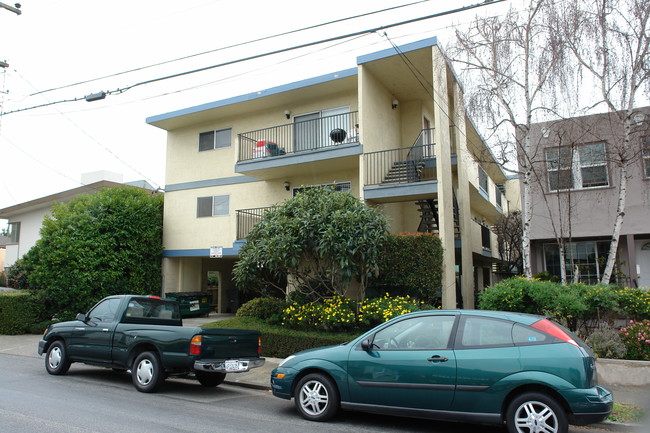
(195, 345)
(259, 346)
(551, 328)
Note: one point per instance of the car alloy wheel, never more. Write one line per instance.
(317, 397)
(536, 413)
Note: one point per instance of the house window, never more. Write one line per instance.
(588, 258)
(483, 180)
(584, 166)
(485, 238)
(214, 139)
(13, 232)
(338, 186)
(497, 195)
(218, 205)
(646, 156)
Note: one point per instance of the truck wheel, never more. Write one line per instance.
(210, 379)
(56, 359)
(317, 397)
(535, 412)
(147, 374)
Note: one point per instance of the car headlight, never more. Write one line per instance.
(286, 359)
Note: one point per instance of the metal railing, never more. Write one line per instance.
(398, 166)
(302, 136)
(247, 218)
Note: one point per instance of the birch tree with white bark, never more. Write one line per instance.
(610, 40)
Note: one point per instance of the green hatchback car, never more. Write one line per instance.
(487, 367)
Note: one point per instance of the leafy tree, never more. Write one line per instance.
(320, 240)
(96, 245)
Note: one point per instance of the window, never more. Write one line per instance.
(338, 186)
(498, 194)
(218, 205)
(105, 310)
(214, 139)
(584, 166)
(314, 130)
(483, 180)
(485, 238)
(417, 333)
(13, 232)
(587, 257)
(150, 309)
(525, 335)
(646, 156)
(483, 331)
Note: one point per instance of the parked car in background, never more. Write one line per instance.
(145, 336)
(489, 367)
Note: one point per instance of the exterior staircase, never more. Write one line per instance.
(404, 172)
(429, 217)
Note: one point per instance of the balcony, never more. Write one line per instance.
(408, 172)
(247, 218)
(268, 153)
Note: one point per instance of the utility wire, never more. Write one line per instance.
(270, 53)
(240, 44)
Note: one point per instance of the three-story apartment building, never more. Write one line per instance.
(391, 130)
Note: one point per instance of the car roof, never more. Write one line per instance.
(524, 318)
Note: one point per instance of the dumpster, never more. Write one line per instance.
(192, 303)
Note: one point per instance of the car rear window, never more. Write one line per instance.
(151, 309)
(525, 335)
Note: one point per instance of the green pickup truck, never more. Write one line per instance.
(145, 336)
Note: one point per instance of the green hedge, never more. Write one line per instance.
(279, 342)
(20, 313)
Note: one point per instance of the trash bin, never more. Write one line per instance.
(192, 303)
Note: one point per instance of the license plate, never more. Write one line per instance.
(232, 365)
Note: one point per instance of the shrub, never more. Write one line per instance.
(412, 265)
(636, 337)
(634, 302)
(264, 308)
(373, 312)
(334, 314)
(19, 312)
(17, 276)
(606, 343)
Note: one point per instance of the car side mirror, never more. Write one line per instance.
(366, 345)
(81, 316)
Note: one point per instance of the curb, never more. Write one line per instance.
(617, 426)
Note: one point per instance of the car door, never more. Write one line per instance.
(409, 363)
(91, 340)
(485, 354)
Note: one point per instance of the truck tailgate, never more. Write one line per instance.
(219, 343)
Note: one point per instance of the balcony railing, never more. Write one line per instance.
(403, 165)
(301, 136)
(247, 218)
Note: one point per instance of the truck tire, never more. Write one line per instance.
(210, 379)
(56, 359)
(317, 397)
(147, 373)
(532, 412)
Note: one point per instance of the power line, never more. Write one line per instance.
(270, 53)
(264, 38)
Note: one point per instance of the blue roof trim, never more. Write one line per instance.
(234, 180)
(255, 95)
(389, 52)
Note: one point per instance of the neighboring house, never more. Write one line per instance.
(577, 196)
(26, 219)
(392, 131)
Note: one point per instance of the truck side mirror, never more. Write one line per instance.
(81, 317)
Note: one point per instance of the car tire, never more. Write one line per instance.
(146, 373)
(317, 397)
(210, 379)
(536, 412)
(56, 359)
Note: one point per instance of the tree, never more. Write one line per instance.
(513, 68)
(320, 240)
(96, 245)
(610, 40)
(508, 229)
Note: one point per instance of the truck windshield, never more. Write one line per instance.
(145, 308)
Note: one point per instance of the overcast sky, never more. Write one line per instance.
(55, 44)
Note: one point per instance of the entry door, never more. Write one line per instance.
(306, 132)
(643, 262)
(410, 365)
